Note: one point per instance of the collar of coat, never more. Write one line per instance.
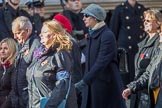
(147, 43)
(97, 32)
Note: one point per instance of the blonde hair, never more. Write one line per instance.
(60, 38)
(155, 15)
(12, 46)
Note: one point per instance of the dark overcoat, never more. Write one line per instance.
(102, 75)
(127, 25)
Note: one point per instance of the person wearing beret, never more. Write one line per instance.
(76, 52)
(101, 85)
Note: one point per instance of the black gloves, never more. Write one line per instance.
(80, 85)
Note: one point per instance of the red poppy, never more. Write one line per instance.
(142, 56)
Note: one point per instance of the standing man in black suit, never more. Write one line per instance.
(127, 25)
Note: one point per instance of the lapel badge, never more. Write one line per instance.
(43, 63)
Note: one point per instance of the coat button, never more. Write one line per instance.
(36, 31)
(139, 7)
(128, 27)
(141, 36)
(141, 27)
(141, 17)
(130, 47)
(127, 17)
(129, 37)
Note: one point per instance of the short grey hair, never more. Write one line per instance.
(22, 22)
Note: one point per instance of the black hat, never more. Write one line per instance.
(35, 3)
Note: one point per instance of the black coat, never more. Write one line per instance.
(102, 74)
(5, 80)
(78, 26)
(7, 15)
(127, 25)
(42, 75)
(6, 77)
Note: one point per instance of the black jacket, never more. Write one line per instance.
(23, 60)
(5, 80)
(43, 75)
(7, 15)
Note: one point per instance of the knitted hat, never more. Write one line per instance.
(96, 11)
(64, 22)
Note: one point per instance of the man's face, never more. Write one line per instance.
(40, 11)
(21, 35)
(74, 5)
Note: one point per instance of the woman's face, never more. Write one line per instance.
(46, 37)
(150, 25)
(4, 51)
(89, 21)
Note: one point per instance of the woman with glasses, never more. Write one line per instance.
(50, 76)
(8, 51)
(146, 52)
(101, 84)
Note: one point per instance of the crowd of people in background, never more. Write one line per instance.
(77, 60)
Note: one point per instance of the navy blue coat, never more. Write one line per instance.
(127, 25)
(102, 75)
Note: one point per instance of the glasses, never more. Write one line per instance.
(86, 15)
(148, 21)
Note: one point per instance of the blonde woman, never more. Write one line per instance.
(7, 58)
(146, 61)
(50, 75)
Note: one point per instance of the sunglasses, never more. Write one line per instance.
(86, 15)
(148, 21)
